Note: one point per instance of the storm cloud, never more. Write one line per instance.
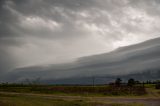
(133, 59)
(43, 32)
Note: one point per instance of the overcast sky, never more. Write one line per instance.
(34, 32)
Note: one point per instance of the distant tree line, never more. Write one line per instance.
(118, 82)
(132, 82)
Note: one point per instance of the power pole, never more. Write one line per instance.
(93, 81)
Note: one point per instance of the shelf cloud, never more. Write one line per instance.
(44, 32)
(127, 60)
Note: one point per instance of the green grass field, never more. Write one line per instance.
(77, 90)
(47, 95)
(151, 91)
(21, 100)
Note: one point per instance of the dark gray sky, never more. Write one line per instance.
(40, 32)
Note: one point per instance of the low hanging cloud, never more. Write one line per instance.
(42, 32)
(133, 59)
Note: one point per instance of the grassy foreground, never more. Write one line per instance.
(18, 95)
(21, 100)
(76, 90)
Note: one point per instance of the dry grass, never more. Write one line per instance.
(21, 100)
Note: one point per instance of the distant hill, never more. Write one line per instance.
(141, 61)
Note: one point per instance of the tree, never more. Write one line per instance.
(118, 82)
(137, 82)
(157, 84)
(131, 82)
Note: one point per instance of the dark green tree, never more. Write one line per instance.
(118, 82)
(131, 82)
(158, 84)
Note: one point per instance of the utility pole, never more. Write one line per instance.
(93, 81)
(143, 84)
